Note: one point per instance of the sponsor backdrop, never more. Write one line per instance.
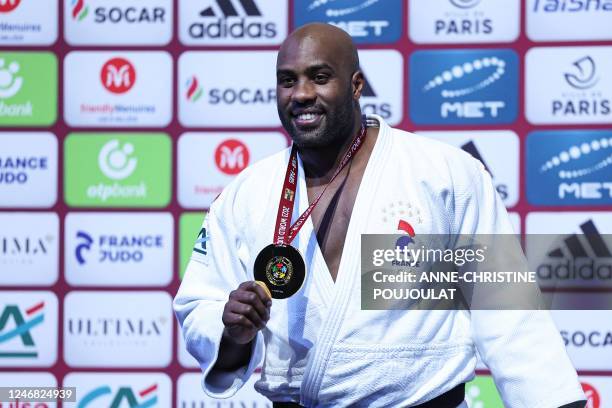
(122, 120)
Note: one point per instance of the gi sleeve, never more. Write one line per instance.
(217, 266)
(522, 348)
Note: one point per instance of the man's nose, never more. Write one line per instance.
(303, 91)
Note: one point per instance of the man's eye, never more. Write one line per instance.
(321, 78)
(286, 82)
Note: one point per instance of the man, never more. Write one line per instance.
(321, 349)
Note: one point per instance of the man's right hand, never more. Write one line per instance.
(246, 312)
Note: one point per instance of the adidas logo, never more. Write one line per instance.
(382, 109)
(580, 257)
(470, 147)
(237, 19)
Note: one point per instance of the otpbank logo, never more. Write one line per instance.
(575, 86)
(232, 22)
(569, 167)
(118, 22)
(118, 249)
(590, 20)
(463, 21)
(116, 390)
(28, 89)
(133, 329)
(28, 329)
(25, 22)
(117, 170)
(367, 21)
(220, 157)
(463, 87)
(215, 90)
(127, 89)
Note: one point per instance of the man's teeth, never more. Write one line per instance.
(306, 116)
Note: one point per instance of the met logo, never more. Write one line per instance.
(464, 86)
(16, 324)
(569, 167)
(367, 21)
(123, 397)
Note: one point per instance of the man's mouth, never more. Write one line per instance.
(307, 119)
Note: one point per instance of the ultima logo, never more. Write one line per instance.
(223, 19)
(569, 167)
(578, 258)
(232, 156)
(593, 398)
(7, 6)
(20, 327)
(10, 83)
(118, 75)
(123, 397)
(194, 90)
(467, 86)
(367, 21)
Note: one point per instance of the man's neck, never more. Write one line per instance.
(320, 164)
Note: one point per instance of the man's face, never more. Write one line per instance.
(314, 93)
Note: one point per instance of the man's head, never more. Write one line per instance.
(318, 85)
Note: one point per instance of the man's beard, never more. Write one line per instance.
(334, 128)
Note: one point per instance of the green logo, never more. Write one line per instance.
(190, 225)
(117, 169)
(482, 393)
(28, 88)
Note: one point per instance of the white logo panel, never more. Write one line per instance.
(29, 248)
(28, 22)
(458, 21)
(119, 22)
(119, 249)
(189, 394)
(589, 20)
(568, 85)
(28, 334)
(382, 94)
(214, 89)
(232, 22)
(28, 169)
(566, 222)
(587, 334)
(114, 88)
(102, 390)
(133, 329)
(498, 150)
(219, 157)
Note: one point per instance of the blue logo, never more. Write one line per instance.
(572, 167)
(85, 242)
(367, 21)
(463, 87)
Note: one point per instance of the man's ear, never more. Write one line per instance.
(358, 82)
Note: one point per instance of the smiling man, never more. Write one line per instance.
(347, 172)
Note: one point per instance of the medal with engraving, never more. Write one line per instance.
(280, 266)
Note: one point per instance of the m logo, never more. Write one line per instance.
(20, 328)
(115, 162)
(144, 398)
(228, 9)
(79, 10)
(6, 6)
(583, 76)
(118, 75)
(84, 246)
(10, 84)
(593, 398)
(232, 156)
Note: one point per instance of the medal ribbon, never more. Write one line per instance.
(284, 235)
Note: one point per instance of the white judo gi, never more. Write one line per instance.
(319, 348)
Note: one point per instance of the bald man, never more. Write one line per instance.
(321, 349)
